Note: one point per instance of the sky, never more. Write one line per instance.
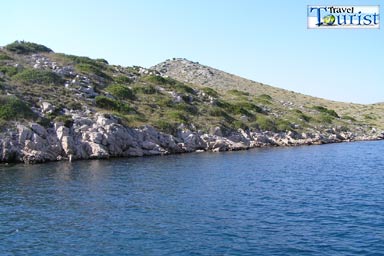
(265, 41)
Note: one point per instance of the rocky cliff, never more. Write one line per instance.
(64, 107)
(104, 136)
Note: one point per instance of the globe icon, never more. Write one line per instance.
(329, 19)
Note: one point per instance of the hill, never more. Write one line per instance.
(281, 102)
(58, 106)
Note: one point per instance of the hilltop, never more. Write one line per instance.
(58, 106)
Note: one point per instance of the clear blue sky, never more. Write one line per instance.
(266, 41)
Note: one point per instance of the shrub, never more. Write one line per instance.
(169, 82)
(35, 76)
(249, 106)
(83, 60)
(67, 120)
(283, 125)
(164, 102)
(22, 47)
(147, 89)
(325, 118)
(106, 103)
(305, 117)
(242, 107)
(349, 118)
(177, 116)
(12, 108)
(120, 91)
(186, 108)
(369, 117)
(74, 105)
(302, 116)
(239, 125)
(182, 88)
(4, 56)
(326, 111)
(104, 61)
(238, 93)
(111, 104)
(265, 97)
(211, 92)
(8, 70)
(166, 126)
(159, 80)
(218, 112)
(91, 69)
(265, 124)
(122, 80)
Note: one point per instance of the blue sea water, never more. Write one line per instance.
(317, 200)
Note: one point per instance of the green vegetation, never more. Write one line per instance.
(238, 93)
(122, 80)
(12, 108)
(325, 118)
(144, 89)
(370, 117)
(91, 70)
(166, 126)
(106, 103)
(169, 84)
(302, 116)
(159, 80)
(104, 61)
(349, 118)
(211, 92)
(282, 125)
(120, 91)
(8, 70)
(35, 76)
(66, 120)
(326, 111)
(265, 97)
(264, 123)
(4, 56)
(82, 60)
(139, 99)
(111, 104)
(22, 47)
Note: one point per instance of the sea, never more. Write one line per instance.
(307, 200)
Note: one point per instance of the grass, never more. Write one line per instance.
(149, 99)
(9, 70)
(36, 76)
(4, 56)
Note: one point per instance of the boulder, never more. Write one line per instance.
(47, 108)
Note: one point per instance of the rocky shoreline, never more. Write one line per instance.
(103, 136)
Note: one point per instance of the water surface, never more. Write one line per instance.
(317, 200)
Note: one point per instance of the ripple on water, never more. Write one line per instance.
(318, 200)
